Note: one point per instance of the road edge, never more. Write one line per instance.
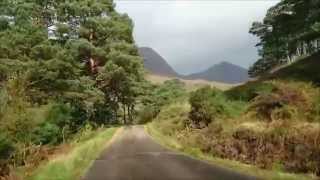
(107, 144)
(235, 166)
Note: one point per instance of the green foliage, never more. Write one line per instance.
(157, 96)
(4, 24)
(6, 147)
(289, 30)
(228, 125)
(265, 148)
(203, 111)
(170, 91)
(55, 126)
(249, 91)
(48, 133)
(279, 99)
(73, 165)
(287, 140)
(147, 114)
(102, 114)
(173, 118)
(208, 104)
(59, 114)
(64, 65)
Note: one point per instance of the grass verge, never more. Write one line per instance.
(173, 144)
(74, 165)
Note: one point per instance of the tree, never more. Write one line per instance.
(288, 31)
(120, 79)
(63, 64)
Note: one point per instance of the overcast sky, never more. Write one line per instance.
(193, 35)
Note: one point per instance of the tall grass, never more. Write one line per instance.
(170, 128)
(73, 165)
(173, 143)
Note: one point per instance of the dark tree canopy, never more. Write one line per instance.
(289, 31)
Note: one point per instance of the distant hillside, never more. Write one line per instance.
(156, 64)
(191, 84)
(223, 72)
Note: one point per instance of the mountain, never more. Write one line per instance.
(222, 72)
(156, 64)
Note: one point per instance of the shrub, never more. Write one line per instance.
(57, 119)
(208, 103)
(316, 108)
(173, 118)
(249, 90)
(284, 102)
(203, 110)
(147, 114)
(55, 125)
(48, 133)
(102, 114)
(156, 97)
(6, 147)
(6, 150)
(59, 114)
(169, 91)
(85, 133)
(286, 112)
(263, 105)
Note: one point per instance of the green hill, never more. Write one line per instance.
(271, 123)
(307, 69)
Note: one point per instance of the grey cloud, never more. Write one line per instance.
(193, 35)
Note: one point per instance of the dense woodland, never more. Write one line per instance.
(63, 64)
(289, 32)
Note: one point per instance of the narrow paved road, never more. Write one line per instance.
(135, 156)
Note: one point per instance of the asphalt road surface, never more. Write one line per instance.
(133, 155)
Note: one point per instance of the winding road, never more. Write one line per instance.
(133, 155)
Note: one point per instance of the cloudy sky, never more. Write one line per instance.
(195, 34)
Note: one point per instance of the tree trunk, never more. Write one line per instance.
(132, 111)
(92, 61)
(124, 114)
(129, 113)
(115, 111)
